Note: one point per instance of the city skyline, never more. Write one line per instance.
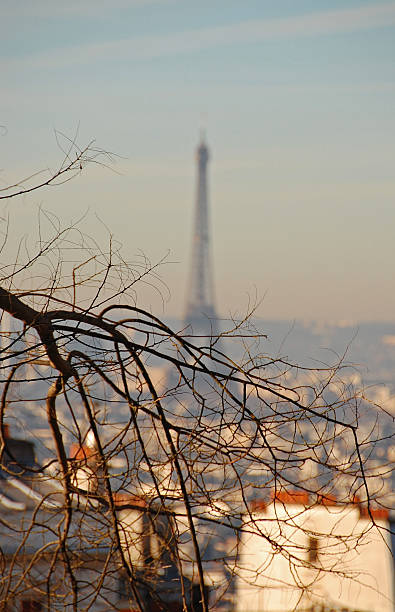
(297, 103)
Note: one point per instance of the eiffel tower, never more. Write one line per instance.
(200, 313)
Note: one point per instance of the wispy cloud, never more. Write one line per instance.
(366, 17)
(70, 8)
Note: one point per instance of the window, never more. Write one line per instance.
(124, 588)
(313, 549)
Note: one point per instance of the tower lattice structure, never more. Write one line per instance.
(200, 311)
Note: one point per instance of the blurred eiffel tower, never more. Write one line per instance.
(200, 315)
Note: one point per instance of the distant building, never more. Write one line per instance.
(316, 558)
(32, 521)
(38, 573)
(200, 315)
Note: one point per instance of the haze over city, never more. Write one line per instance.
(296, 100)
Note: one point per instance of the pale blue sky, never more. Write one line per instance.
(298, 102)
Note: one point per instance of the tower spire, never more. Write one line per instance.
(200, 309)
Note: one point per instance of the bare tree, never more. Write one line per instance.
(161, 447)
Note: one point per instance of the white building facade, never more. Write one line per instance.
(323, 557)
